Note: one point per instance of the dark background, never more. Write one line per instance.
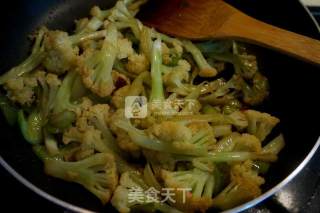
(300, 195)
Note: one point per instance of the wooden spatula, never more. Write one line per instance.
(215, 19)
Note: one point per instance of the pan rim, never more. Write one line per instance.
(240, 208)
(280, 185)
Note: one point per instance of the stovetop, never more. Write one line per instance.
(302, 194)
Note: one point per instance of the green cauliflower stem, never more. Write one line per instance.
(239, 142)
(237, 119)
(123, 18)
(157, 92)
(65, 109)
(123, 139)
(235, 156)
(36, 57)
(146, 42)
(274, 146)
(244, 186)
(97, 173)
(98, 13)
(98, 116)
(8, 110)
(205, 69)
(222, 130)
(96, 68)
(63, 99)
(50, 150)
(195, 147)
(32, 125)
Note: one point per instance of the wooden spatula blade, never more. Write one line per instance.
(215, 19)
(185, 18)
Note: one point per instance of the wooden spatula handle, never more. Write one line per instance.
(246, 28)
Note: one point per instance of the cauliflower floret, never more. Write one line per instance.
(126, 144)
(137, 63)
(170, 56)
(239, 142)
(123, 139)
(91, 130)
(61, 55)
(98, 13)
(95, 67)
(182, 66)
(97, 173)
(222, 130)
(85, 104)
(93, 133)
(145, 123)
(90, 141)
(174, 76)
(197, 126)
(240, 171)
(247, 142)
(120, 197)
(238, 119)
(245, 185)
(200, 183)
(90, 45)
(119, 96)
(21, 89)
(135, 89)
(53, 79)
(165, 53)
(260, 124)
(80, 24)
(93, 115)
(125, 48)
(160, 160)
(205, 69)
(171, 131)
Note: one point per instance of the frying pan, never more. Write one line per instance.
(294, 93)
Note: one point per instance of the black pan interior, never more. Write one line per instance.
(294, 85)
